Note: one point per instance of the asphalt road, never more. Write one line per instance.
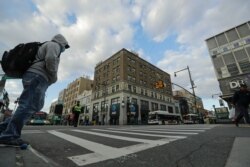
(129, 146)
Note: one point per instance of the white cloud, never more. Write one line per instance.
(100, 29)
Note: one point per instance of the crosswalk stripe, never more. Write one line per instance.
(180, 130)
(164, 129)
(120, 137)
(102, 152)
(32, 131)
(153, 131)
(141, 134)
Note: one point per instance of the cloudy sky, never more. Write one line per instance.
(169, 34)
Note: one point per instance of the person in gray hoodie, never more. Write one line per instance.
(35, 81)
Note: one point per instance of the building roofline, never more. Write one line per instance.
(227, 30)
(123, 49)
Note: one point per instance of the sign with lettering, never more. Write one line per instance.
(235, 83)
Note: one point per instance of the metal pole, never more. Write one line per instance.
(105, 112)
(192, 84)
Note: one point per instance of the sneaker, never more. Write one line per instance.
(14, 142)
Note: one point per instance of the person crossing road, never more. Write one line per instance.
(241, 101)
(76, 111)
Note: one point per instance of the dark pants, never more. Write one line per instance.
(242, 111)
(76, 117)
(4, 124)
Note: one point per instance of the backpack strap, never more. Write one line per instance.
(39, 60)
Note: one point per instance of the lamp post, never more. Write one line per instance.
(192, 85)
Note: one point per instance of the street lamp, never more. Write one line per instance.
(192, 84)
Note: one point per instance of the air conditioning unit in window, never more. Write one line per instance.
(236, 44)
(220, 50)
(243, 42)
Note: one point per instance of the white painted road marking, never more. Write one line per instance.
(102, 152)
(141, 134)
(154, 131)
(166, 129)
(32, 131)
(120, 137)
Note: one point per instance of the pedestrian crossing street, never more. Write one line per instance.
(142, 138)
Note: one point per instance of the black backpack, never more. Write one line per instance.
(17, 60)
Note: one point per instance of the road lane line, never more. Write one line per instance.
(141, 134)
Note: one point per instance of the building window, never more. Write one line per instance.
(142, 91)
(134, 89)
(95, 107)
(115, 100)
(117, 77)
(130, 88)
(232, 35)
(221, 39)
(134, 101)
(131, 78)
(154, 106)
(163, 107)
(117, 87)
(170, 109)
(144, 105)
(211, 43)
(141, 82)
(131, 60)
(243, 30)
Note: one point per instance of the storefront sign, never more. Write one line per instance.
(235, 84)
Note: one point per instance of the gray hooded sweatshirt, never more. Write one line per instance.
(49, 53)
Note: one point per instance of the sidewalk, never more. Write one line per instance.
(8, 157)
(15, 157)
(239, 156)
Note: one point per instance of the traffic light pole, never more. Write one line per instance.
(192, 86)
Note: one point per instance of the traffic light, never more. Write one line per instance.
(159, 84)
